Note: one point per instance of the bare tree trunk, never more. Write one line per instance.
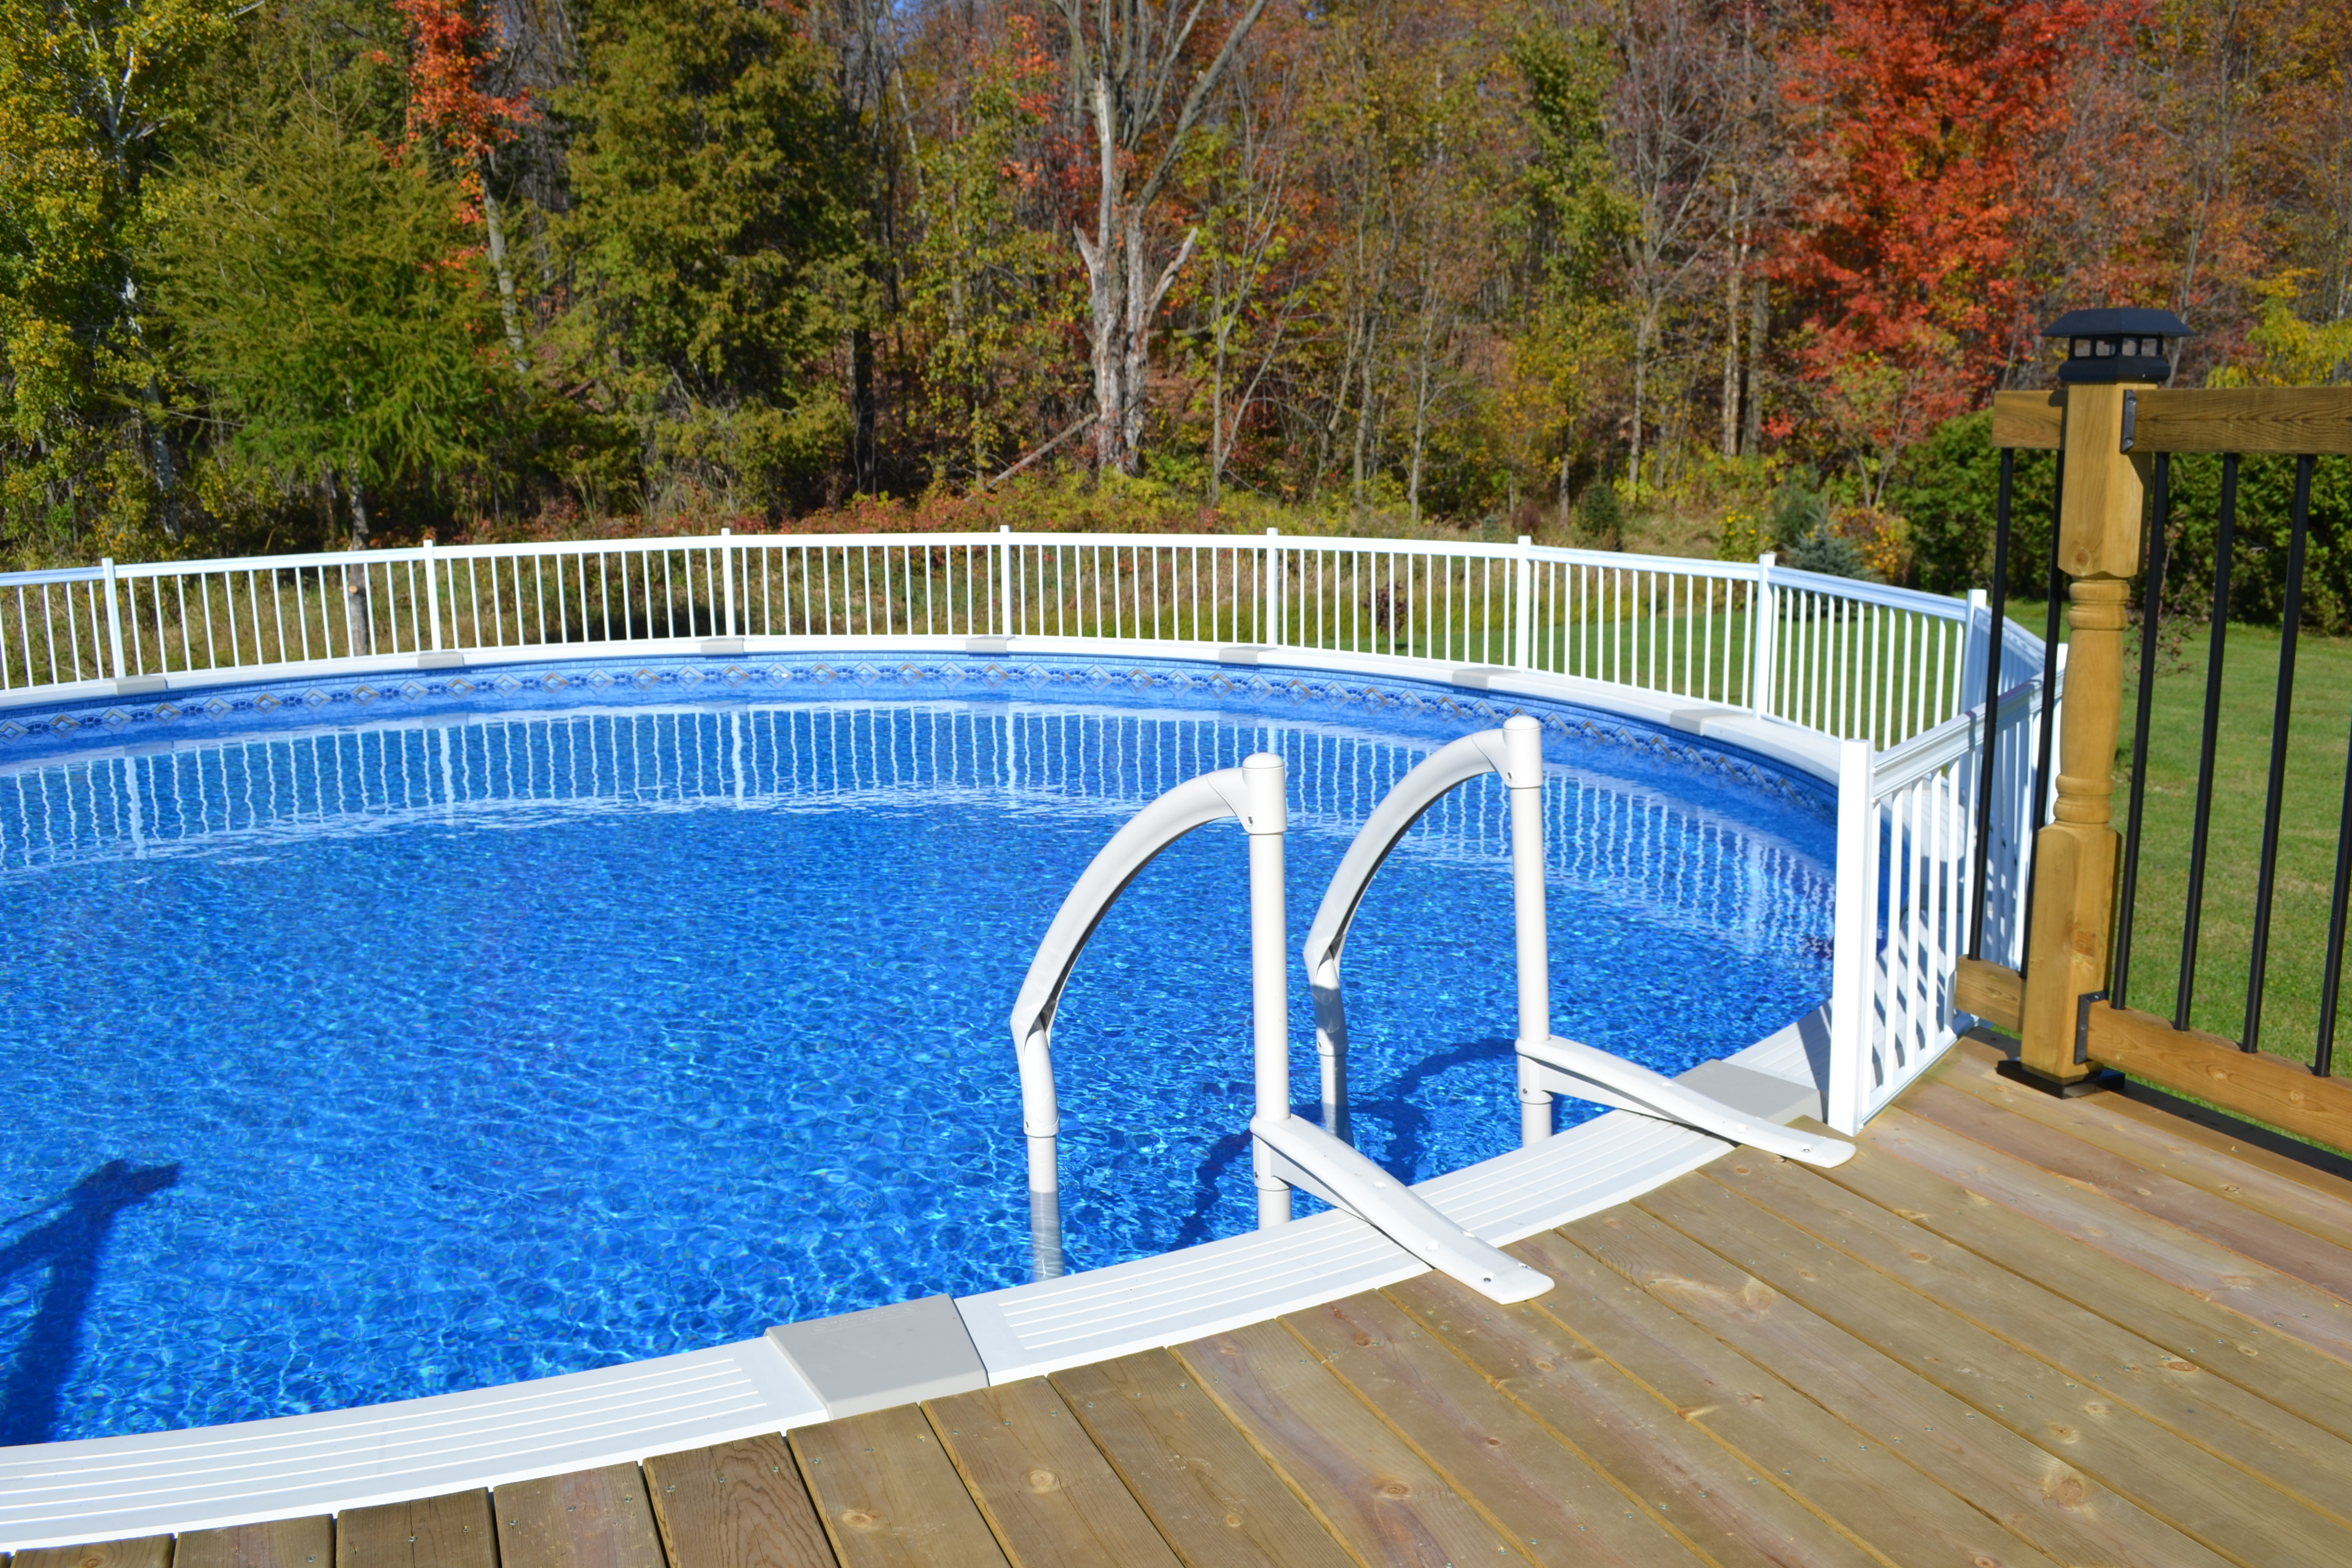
(1126, 57)
(1421, 402)
(1364, 409)
(1217, 389)
(167, 473)
(351, 482)
(508, 311)
(1640, 392)
(1759, 315)
(1734, 286)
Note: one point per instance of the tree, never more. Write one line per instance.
(716, 260)
(89, 95)
(1126, 60)
(1672, 133)
(992, 298)
(450, 111)
(1577, 218)
(329, 294)
(1918, 119)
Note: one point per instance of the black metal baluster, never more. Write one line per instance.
(2282, 713)
(2160, 518)
(2323, 1061)
(1993, 660)
(2055, 587)
(2216, 647)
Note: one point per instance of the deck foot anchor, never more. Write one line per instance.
(2063, 1089)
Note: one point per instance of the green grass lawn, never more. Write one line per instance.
(2317, 738)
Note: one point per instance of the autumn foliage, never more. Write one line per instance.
(450, 110)
(1554, 266)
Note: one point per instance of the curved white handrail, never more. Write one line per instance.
(1448, 767)
(1547, 1063)
(1195, 803)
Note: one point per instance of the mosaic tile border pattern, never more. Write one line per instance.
(26, 731)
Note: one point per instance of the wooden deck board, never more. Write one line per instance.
(139, 1552)
(1213, 1496)
(2035, 1495)
(1381, 1498)
(737, 1505)
(1645, 1444)
(2253, 1178)
(2290, 1249)
(588, 1518)
(2236, 1426)
(1049, 1494)
(280, 1543)
(2285, 1372)
(1786, 1439)
(1536, 1490)
(452, 1531)
(2098, 1433)
(889, 1495)
(2273, 1301)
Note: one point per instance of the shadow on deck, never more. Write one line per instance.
(2012, 1331)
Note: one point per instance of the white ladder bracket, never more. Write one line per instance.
(1305, 1155)
(1566, 1066)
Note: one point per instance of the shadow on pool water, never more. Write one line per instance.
(70, 1247)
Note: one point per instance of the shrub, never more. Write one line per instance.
(1948, 491)
(1600, 517)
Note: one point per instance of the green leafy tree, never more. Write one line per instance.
(330, 297)
(990, 297)
(90, 95)
(1575, 216)
(715, 257)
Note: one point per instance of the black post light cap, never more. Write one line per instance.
(2119, 343)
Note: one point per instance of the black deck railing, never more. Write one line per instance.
(2158, 556)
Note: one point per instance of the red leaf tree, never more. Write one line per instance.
(1917, 122)
(450, 46)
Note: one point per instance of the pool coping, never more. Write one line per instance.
(63, 1493)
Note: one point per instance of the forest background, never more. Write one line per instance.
(1682, 275)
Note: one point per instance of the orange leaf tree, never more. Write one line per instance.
(1917, 126)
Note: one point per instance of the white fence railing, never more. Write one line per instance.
(1897, 675)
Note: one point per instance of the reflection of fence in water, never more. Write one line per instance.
(1624, 844)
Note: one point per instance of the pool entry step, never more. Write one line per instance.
(1289, 1151)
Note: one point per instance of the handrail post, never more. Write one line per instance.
(1523, 747)
(726, 565)
(2071, 922)
(432, 592)
(1853, 953)
(1761, 613)
(1523, 604)
(1004, 580)
(1274, 586)
(1984, 643)
(113, 616)
(1266, 823)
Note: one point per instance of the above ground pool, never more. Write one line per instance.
(397, 1036)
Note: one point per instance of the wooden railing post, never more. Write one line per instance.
(2072, 919)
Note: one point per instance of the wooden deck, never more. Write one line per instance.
(2012, 1331)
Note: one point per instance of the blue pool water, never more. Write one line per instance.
(364, 1045)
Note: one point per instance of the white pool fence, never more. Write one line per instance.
(1897, 676)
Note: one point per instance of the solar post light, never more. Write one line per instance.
(2121, 343)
